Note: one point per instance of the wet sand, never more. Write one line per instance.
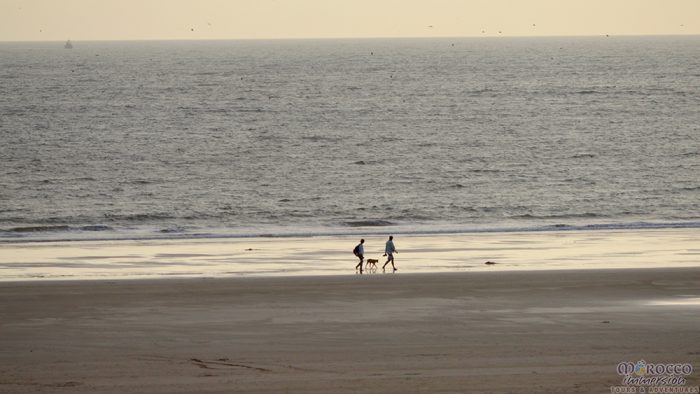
(480, 332)
(330, 255)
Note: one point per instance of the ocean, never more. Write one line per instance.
(205, 139)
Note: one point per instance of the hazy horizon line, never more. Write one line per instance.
(352, 38)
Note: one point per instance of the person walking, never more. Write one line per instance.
(389, 251)
(359, 251)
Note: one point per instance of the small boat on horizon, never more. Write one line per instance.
(68, 45)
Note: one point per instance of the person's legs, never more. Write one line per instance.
(389, 259)
(359, 265)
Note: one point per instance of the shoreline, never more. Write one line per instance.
(496, 332)
(280, 233)
(328, 255)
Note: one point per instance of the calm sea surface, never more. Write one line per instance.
(248, 138)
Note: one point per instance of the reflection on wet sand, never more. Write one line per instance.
(332, 256)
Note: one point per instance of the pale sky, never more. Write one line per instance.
(47, 20)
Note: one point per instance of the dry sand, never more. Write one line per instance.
(494, 332)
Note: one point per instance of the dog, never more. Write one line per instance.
(372, 262)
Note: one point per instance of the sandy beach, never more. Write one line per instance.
(550, 331)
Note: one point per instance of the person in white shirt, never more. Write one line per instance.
(389, 251)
